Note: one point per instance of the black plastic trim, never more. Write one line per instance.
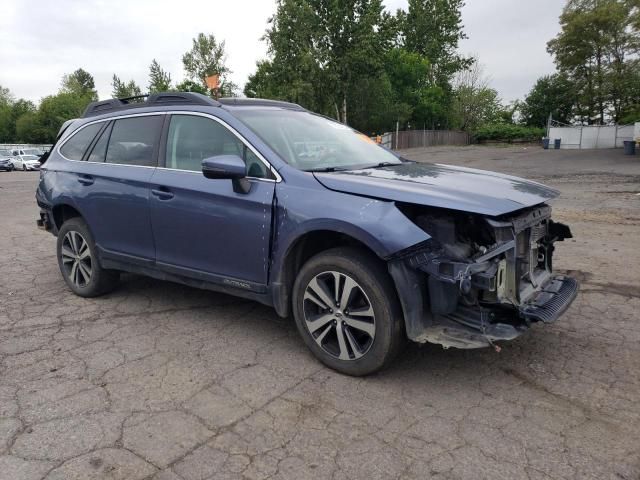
(155, 99)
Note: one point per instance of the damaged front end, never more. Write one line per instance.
(480, 279)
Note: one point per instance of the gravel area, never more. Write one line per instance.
(165, 382)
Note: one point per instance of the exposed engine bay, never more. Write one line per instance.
(487, 278)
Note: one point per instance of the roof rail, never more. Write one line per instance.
(258, 102)
(158, 99)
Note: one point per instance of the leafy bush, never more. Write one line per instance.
(508, 132)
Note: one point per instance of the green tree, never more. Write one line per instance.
(260, 84)
(54, 110)
(433, 29)
(191, 86)
(631, 111)
(351, 38)
(417, 100)
(20, 108)
(159, 79)
(6, 97)
(595, 49)
(354, 61)
(293, 72)
(6, 124)
(208, 57)
(30, 130)
(10, 111)
(323, 53)
(80, 83)
(474, 102)
(6, 121)
(551, 94)
(121, 89)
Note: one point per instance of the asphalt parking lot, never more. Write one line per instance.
(162, 381)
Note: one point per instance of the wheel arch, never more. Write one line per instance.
(302, 249)
(63, 212)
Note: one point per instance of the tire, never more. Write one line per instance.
(24, 167)
(369, 342)
(78, 261)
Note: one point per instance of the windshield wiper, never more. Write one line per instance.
(381, 164)
(327, 169)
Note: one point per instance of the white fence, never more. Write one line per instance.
(14, 146)
(592, 136)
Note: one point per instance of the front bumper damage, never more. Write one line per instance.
(493, 296)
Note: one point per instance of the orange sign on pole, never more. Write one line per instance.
(212, 82)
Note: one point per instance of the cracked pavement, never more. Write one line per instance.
(165, 382)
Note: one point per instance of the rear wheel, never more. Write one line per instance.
(79, 263)
(347, 311)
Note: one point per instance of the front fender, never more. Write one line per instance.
(378, 224)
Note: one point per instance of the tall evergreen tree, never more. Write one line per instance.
(121, 89)
(159, 79)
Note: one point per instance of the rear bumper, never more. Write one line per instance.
(480, 327)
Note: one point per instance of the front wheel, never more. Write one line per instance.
(79, 263)
(347, 311)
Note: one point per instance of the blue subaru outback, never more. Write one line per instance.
(268, 201)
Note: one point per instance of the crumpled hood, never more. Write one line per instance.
(444, 186)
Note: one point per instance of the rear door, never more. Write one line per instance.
(113, 186)
(202, 227)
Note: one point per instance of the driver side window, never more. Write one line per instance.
(192, 138)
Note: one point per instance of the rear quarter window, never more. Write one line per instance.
(74, 148)
(134, 141)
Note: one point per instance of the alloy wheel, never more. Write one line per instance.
(339, 315)
(76, 259)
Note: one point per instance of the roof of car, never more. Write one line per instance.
(178, 99)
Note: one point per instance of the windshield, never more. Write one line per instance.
(311, 142)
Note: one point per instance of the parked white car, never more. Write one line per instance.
(28, 151)
(26, 162)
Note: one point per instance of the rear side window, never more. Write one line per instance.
(74, 148)
(133, 141)
(99, 151)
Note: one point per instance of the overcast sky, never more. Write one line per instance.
(42, 40)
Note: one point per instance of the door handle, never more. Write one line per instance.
(86, 180)
(162, 193)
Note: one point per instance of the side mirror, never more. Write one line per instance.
(230, 167)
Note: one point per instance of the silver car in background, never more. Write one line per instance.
(26, 162)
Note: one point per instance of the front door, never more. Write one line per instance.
(202, 227)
